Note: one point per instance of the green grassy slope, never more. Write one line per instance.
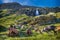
(11, 19)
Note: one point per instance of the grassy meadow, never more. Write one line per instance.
(6, 21)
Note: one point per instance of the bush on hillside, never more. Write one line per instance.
(2, 28)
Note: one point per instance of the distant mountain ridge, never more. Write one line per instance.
(29, 10)
(9, 5)
(14, 5)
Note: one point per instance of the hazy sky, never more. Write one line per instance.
(42, 3)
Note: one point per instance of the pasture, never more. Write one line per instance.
(34, 36)
(8, 20)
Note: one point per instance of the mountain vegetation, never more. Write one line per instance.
(14, 13)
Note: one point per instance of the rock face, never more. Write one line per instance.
(28, 10)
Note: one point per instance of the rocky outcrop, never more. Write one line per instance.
(28, 10)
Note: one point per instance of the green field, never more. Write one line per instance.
(11, 19)
(34, 36)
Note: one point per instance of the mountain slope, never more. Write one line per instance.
(10, 5)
